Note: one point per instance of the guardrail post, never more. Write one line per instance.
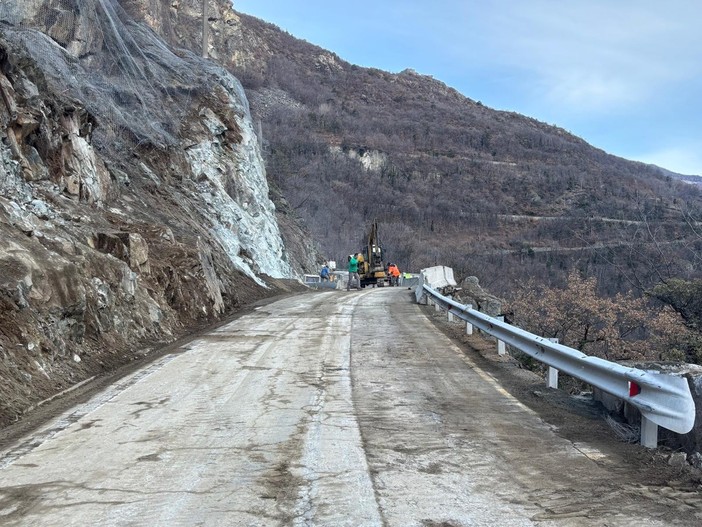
(437, 307)
(469, 326)
(501, 348)
(649, 433)
(451, 318)
(552, 381)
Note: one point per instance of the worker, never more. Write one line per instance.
(394, 273)
(353, 273)
(324, 273)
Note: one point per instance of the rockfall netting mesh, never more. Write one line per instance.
(92, 51)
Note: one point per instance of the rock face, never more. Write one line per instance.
(134, 202)
(471, 293)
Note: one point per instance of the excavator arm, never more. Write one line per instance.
(372, 269)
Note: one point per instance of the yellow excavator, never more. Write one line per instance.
(371, 267)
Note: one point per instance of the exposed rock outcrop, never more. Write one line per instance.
(134, 199)
(470, 292)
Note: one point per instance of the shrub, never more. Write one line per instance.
(621, 328)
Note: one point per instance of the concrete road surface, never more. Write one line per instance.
(334, 409)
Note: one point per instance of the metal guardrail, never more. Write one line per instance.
(663, 399)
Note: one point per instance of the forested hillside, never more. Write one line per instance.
(451, 181)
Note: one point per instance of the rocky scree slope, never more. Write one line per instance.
(133, 199)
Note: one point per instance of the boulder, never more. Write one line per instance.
(470, 292)
(129, 247)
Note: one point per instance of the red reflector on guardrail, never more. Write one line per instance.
(634, 389)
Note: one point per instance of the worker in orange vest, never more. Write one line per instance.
(394, 273)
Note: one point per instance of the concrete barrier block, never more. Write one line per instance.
(438, 277)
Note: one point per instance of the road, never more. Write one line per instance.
(324, 409)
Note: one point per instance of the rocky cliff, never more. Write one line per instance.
(133, 198)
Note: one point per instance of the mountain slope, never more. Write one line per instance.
(450, 180)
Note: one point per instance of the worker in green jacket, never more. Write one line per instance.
(353, 272)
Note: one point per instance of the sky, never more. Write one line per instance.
(624, 75)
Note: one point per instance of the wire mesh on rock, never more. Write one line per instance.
(121, 71)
